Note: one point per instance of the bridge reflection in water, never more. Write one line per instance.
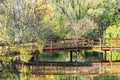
(71, 68)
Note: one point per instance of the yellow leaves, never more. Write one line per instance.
(40, 46)
(25, 54)
(48, 12)
(46, 18)
(24, 51)
(47, 7)
(43, 10)
(25, 70)
(39, 1)
(7, 60)
(97, 12)
(49, 77)
(1, 17)
(7, 1)
(4, 34)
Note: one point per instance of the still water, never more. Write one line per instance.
(8, 72)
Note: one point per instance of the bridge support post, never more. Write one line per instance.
(35, 57)
(104, 56)
(1, 67)
(76, 54)
(71, 53)
(110, 55)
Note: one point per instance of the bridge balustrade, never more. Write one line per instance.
(83, 42)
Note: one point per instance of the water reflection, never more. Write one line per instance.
(9, 72)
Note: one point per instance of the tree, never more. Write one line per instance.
(78, 14)
(24, 19)
(21, 21)
(109, 16)
(113, 31)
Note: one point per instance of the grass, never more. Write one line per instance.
(61, 56)
(115, 56)
(88, 56)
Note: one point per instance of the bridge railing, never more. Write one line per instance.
(84, 42)
(65, 43)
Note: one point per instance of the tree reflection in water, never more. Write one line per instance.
(9, 72)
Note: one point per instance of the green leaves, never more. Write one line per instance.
(7, 60)
(39, 46)
(25, 54)
(113, 31)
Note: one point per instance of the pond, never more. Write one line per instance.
(9, 73)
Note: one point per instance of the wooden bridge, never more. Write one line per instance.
(72, 45)
(104, 44)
